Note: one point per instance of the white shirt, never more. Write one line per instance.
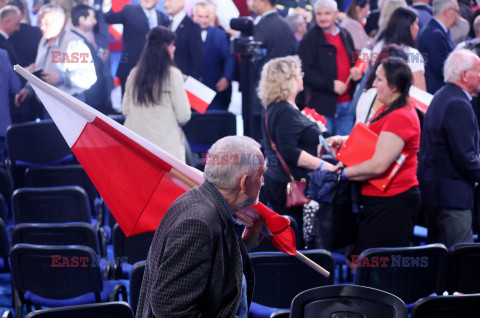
(5, 35)
(415, 60)
(177, 19)
(151, 13)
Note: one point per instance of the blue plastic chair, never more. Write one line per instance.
(118, 309)
(407, 272)
(58, 276)
(280, 277)
(347, 301)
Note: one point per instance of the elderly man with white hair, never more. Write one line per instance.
(435, 41)
(449, 163)
(326, 54)
(197, 266)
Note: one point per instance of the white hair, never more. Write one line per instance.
(458, 62)
(438, 6)
(51, 7)
(320, 4)
(229, 159)
(9, 10)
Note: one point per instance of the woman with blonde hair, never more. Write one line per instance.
(295, 136)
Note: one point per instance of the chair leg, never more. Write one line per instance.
(18, 305)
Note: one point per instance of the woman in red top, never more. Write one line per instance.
(388, 217)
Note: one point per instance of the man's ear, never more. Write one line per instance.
(243, 183)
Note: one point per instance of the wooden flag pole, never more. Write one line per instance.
(249, 222)
(312, 264)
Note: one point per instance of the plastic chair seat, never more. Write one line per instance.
(80, 300)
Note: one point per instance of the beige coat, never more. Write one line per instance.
(160, 122)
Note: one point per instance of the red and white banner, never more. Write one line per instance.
(137, 179)
(199, 95)
(420, 99)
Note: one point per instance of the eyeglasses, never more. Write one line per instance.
(456, 10)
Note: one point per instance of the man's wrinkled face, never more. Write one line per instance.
(51, 24)
(203, 17)
(325, 17)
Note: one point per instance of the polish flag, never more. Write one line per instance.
(137, 179)
(199, 95)
(363, 60)
(420, 99)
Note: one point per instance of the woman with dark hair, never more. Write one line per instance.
(357, 12)
(402, 29)
(388, 217)
(368, 103)
(155, 103)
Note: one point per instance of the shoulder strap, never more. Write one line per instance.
(274, 147)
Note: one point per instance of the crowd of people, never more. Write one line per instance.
(309, 52)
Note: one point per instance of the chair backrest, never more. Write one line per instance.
(6, 186)
(55, 176)
(36, 143)
(280, 277)
(347, 301)
(447, 306)
(202, 131)
(134, 248)
(4, 245)
(50, 205)
(3, 208)
(55, 272)
(408, 272)
(118, 309)
(136, 278)
(463, 268)
(75, 233)
(267, 246)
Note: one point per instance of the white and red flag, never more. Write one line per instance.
(137, 180)
(199, 95)
(420, 99)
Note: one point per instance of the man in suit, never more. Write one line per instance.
(9, 86)
(83, 20)
(218, 68)
(25, 41)
(273, 31)
(197, 265)
(189, 47)
(449, 163)
(326, 54)
(435, 41)
(424, 11)
(10, 17)
(137, 20)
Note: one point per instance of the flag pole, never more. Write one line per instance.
(312, 264)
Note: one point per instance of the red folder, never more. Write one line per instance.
(360, 146)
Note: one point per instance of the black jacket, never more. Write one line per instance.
(135, 30)
(189, 48)
(448, 162)
(319, 63)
